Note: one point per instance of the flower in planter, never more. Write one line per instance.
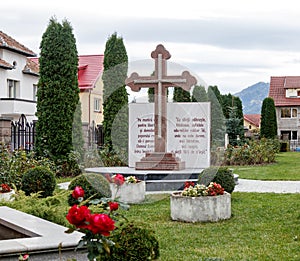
(5, 188)
(118, 179)
(131, 179)
(213, 189)
(23, 257)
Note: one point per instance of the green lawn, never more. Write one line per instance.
(286, 167)
(263, 227)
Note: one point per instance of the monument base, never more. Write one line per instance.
(160, 161)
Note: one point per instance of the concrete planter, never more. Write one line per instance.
(7, 196)
(129, 192)
(200, 209)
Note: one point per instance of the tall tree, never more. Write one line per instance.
(217, 117)
(234, 129)
(115, 109)
(199, 94)
(58, 92)
(181, 95)
(268, 128)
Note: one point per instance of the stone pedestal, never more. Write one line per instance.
(160, 161)
(200, 209)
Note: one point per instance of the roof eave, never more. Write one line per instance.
(28, 54)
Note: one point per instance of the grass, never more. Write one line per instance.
(263, 227)
(286, 167)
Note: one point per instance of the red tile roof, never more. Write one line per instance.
(31, 67)
(90, 68)
(278, 85)
(5, 65)
(253, 119)
(7, 42)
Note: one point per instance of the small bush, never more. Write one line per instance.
(220, 175)
(93, 185)
(69, 167)
(133, 243)
(39, 179)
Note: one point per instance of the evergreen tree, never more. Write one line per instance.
(199, 94)
(268, 123)
(217, 118)
(234, 129)
(181, 95)
(78, 142)
(150, 94)
(232, 107)
(58, 92)
(115, 109)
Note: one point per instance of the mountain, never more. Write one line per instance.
(253, 96)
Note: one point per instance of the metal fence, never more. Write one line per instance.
(22, 134)
(96, 135)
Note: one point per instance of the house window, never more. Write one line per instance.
(13, 90)
(34, 92)
(97, 105)
(298, 93)
(288, 113)
(289, 135)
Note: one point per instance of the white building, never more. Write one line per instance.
(18, 80)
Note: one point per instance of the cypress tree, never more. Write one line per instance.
(268, 127)
(199, 94)
(58, 92)
(115, 106)
(181, 95)
(217, 117)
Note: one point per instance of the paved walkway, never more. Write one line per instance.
(261, 186)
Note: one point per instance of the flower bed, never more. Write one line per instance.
(201, 204)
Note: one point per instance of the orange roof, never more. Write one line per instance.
(278, 85)
(90, 68)
(5, 65)
(253, 119)
(7, 42)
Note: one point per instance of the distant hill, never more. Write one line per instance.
(253, 96)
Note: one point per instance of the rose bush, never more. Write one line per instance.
(96, 226)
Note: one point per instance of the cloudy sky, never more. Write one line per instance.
(231, 44)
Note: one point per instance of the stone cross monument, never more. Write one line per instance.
(160, 159)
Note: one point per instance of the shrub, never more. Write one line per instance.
(69, 166)
(256, 152)
(133, 243)
(39, 179)
(220, 175)
(94, 185)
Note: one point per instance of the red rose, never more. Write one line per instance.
(78, 216)
(78, 192)
(119, 179)
(113, 206)
(101, 224)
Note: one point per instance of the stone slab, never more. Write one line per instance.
(45, 236)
